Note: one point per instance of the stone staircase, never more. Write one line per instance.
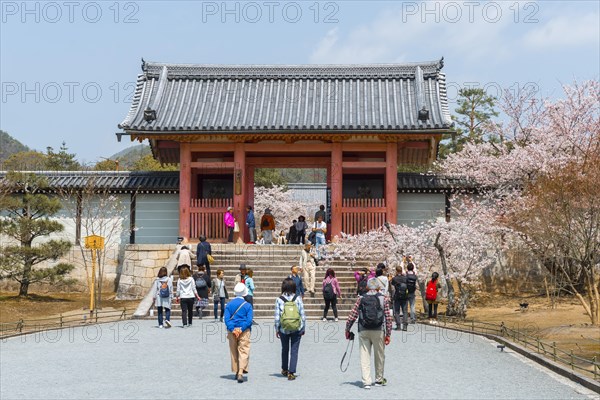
(271, 264)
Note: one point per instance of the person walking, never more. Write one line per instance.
(186, 292)
(202, 280)
(241, 276)
(411, 283)
(362, 276)
(238, 320)
(297, 280)
(432, 296)
(301, 227)
(321, 213)
(320, 229)
(203, 250)
(382, 276)
(229, 221)
(219, 290)
(374, 331)
(292, 235)
(267, 226)
(163, 287)
(249, 282)
(399, 282)
(309, 268)
(184, 257)
(251, 224)
(331, 292)
(290, 321)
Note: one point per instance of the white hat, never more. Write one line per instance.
(229, 208)
(240, 290)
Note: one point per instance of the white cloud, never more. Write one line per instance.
(562, 31)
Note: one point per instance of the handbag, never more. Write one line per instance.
(236, 227)
(210, 258)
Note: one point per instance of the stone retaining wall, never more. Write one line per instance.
(141, 263)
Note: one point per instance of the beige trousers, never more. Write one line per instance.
(239, 348)
(309, 273)
(368, 340)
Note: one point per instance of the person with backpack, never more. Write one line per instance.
(290, 321)
(202, 281)
(411, 283)
(203, 251)
(309, 268)
(267, 226)
(163, 287)
(238, 320)
(219, 290)
(331, 292)
(399, 282)
(297, 280)
(186, 292)
(362, 276)
(374, 331)
(432, 297)
(241, 277)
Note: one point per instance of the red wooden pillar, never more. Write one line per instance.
(391, 182)
(336, 174)
(185, 195)
(239, 187)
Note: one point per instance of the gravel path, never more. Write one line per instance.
(136, 360)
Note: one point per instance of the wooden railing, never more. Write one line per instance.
(362, 215)
(206, 218)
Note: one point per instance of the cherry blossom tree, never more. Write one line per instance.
(537, 175)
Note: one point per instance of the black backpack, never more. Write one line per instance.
(401, 286)
(328, 293)
(411, 282)
(362, 287)
(370, 312)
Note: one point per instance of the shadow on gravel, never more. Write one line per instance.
(230, 377)
(355, 383)
(278, 376)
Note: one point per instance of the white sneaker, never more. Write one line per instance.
(367, 387)
(324, 319)
(160, 327)
(336, 320)
(168, 324)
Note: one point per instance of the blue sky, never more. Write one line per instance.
(67, 67)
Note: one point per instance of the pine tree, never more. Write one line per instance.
(27, 211)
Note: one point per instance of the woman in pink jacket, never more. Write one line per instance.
(229, 223)
(331, 291)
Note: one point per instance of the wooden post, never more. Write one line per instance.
(185, 195)
(336, 189)
(391, 182)
(239, 189)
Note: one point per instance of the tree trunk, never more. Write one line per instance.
(450, 309)
(26, 274)
(422, 288)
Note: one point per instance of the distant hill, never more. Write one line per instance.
(9, 146)
(130, 155)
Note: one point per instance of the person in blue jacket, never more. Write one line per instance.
(238, 319)
(297, 280)
(251, 224)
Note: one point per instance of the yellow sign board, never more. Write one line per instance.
(94, 242)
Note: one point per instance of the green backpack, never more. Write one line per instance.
(290, 317)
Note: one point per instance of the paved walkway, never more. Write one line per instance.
(136, 360)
